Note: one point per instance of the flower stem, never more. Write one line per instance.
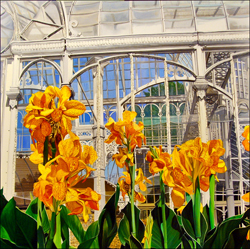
(52, 230)
(40, 239)
(132, 175)
(196, 210)
(211, 202)
(57, 237)
(46, 150)
(162, 187)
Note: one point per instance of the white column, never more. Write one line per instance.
(200, 86)
(67, 68)
(8, 129)
(237, 129)
(132, 83)
(98, 139)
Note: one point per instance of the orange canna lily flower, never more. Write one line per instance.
(158, 160)
(246, 197)
(43, 114)
(125, 184)
(140, 179)
(37, 156)
(126, 132)
(122, 156)
(140, 197)
(81, 201)
(246, 135)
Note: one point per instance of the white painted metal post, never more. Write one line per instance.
(98, 137)
(168, 120)
(132, 82)
(10, 136)
(237, 128)
(201, 86)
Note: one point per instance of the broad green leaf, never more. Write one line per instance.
(65, 234)
(6, 244)
(237, 238)
(107, 220)
(21, 228)
(90, 238)
(45, 221)
(206, 216)
(188, 220)
(3, 201)
(221, 234)
(127, 224)
(32, 209)
(204, 229)
(65, 244)
(134, 242)
(188, 224)
(73, 224)
(174, 232)
(124, 230)
(187, 243)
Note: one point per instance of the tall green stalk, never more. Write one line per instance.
(40, 238)
(196, 210)
(211, 202)
(162, 187)
(132, 175)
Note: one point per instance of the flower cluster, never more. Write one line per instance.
(190, 161)
(125, 182)
(65, 164)
(246, 135)
(129, 134)
(61, 174)
(45, 118)
(126, 132)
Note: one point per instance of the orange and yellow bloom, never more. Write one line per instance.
(246, 135)
(62, 173)
(125, 185)
(126, 132)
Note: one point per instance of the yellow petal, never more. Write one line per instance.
(129, 116)
(178, 197)
(74, 108)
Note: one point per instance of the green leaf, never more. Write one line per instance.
(134, 242)
(3, 201)
(187, 243)
(205, 212)
(125, 226)
(73, 223)
(124, 230)
(65, 234)
(174, 232)
(20, 227)
(6, 244)
(58, 237)
(107, 220)
(188, 220)
(188, 223)
(32, 209)
(237, 238)
(45, 221)
(223, 230)
(90, 238)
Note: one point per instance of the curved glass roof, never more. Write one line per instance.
(42, 20)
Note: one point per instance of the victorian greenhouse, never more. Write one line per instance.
(124, 111)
